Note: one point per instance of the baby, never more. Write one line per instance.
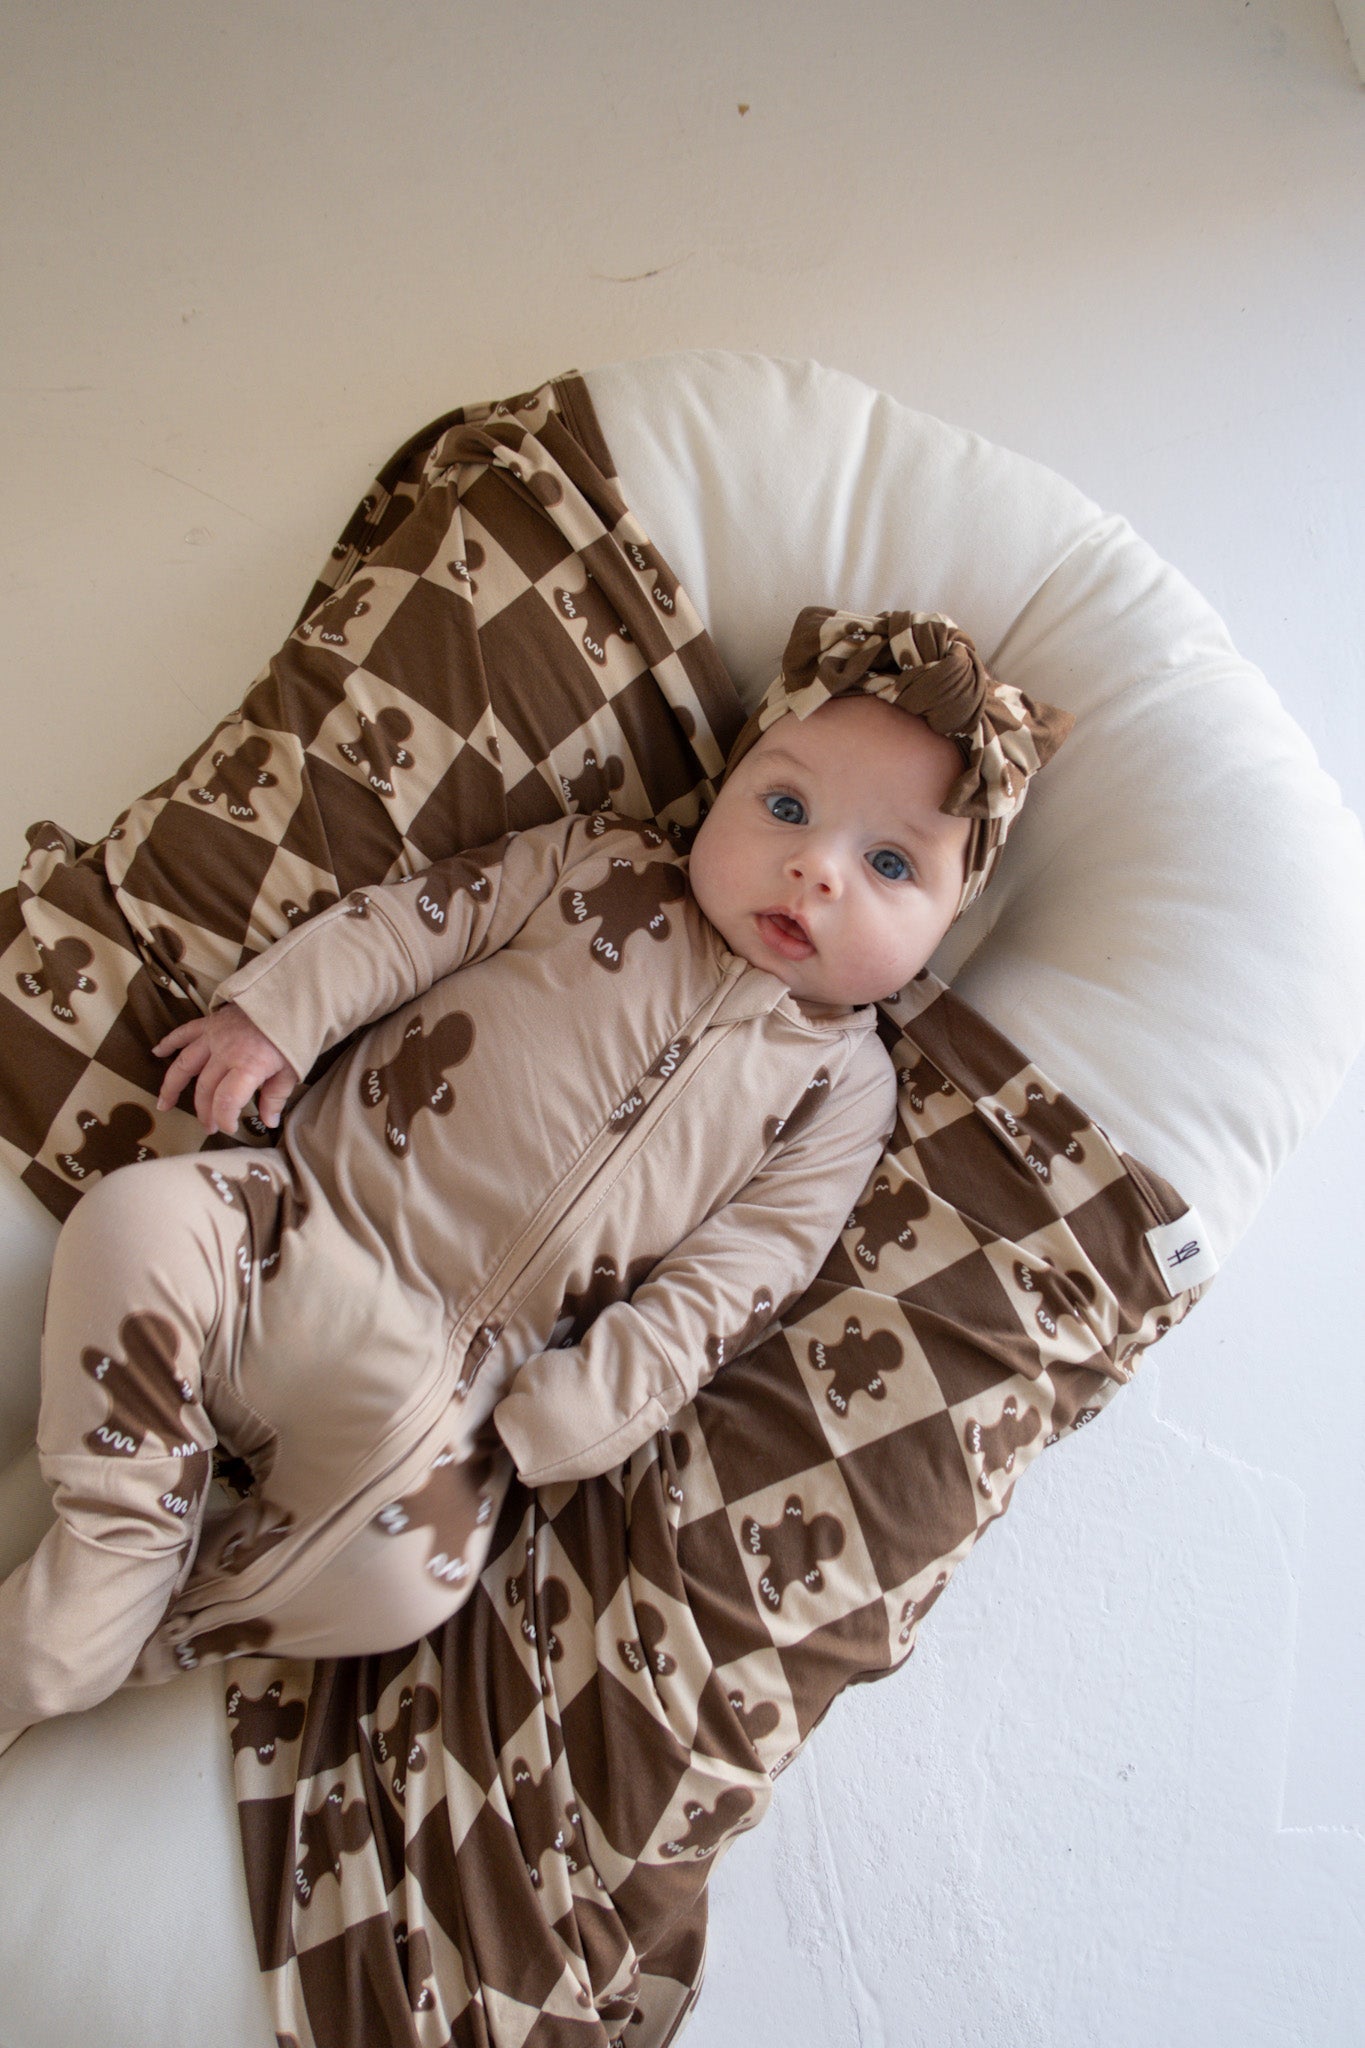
(616, 1111)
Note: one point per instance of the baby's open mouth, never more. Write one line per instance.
(784, 934)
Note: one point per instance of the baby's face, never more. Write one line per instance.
(826, 859)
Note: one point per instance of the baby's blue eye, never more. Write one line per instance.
(788, 810)
(891, 866)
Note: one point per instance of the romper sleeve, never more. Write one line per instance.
(576, 1412)
(381, 947)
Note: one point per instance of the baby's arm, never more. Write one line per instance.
(381, 947)
(232, 1061)
(570, 1414)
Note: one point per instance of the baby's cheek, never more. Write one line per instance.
(719, 872)
(907, 946)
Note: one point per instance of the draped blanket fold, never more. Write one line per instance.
(503, 1835)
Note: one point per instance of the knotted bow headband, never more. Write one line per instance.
(924, 664)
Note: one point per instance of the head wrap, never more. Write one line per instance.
(924, 664)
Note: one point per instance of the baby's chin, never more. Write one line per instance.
(815, 989)
(845, 996)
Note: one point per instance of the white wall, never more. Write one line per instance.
(1119, 1796)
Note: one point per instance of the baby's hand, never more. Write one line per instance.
(233, 1062)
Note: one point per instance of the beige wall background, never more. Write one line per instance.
(1119, 1797)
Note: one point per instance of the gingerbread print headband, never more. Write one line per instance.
(924, 664)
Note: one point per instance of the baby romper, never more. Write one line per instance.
(520, 1220)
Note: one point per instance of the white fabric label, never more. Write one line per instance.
(1182, 1251)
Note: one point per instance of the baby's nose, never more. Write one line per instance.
(816, 868)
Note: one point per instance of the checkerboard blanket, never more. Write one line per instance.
(503, 1835)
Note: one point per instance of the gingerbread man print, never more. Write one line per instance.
(886, 1217)
(236, 776)
(648, 835)
(61, 974)
(707, 1827)
(996, 1443)
(418, 1965)
(415, 1078)
(378, 747)
(760, 1317)
(758, 1721)
(543, 1820)
(452, 1503)
(592, 788)
(146, 1395)
(332, 1830)
(664, 1068)
(626, 901)
(584, 1301)
(336, 613)
(419, 1711)
(914, 1611)
(794, 1548)
(541, 1616)
(254, 1528)
(1058, 1295)
(815, 1093)
(649, 565)
(233, 1639)
(103, 1147)
(260, 1725)
(269, 1214)
(598, 616)
(299, 913)
(1073, 1405)
(448, 879)
(1051, 1130)
(921, 1081)
(464, 566)
(858, 1364)
(646, 1652)
(48, 837)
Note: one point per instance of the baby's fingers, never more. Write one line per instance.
(274, 1094)
(229, 1098)
(181, 1035)
(182, 1070)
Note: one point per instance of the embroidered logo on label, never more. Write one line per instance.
(1183, 1252)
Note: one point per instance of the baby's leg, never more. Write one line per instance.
(145, 1285)
(411, 1557)
(407, 1570)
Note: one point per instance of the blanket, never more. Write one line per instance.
(503, 1835)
